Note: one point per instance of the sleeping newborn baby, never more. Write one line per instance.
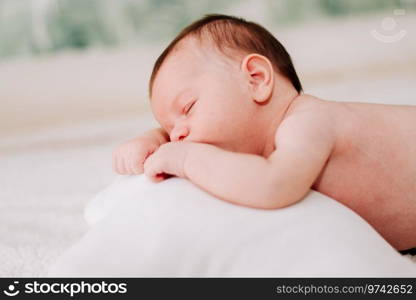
(234, 122)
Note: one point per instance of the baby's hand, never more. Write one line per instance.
(168, 160)
(129, 157)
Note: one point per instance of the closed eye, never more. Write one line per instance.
(188, 107)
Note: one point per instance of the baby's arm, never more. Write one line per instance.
(129, 157)
(303, 148)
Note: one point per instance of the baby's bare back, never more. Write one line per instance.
(372, 169)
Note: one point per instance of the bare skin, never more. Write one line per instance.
(372, 168)
(240, 131)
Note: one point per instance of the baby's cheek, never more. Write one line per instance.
(213, 127)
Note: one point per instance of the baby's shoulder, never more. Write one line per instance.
(309, 116)
(308, 111)
(306, 106)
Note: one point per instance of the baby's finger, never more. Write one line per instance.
(117, 164)
(137, 167)
(156, 176)
(151, 169)
(127, 166)
(120, 166)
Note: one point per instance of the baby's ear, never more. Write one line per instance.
(260, 76)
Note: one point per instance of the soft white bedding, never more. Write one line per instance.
(140, 228)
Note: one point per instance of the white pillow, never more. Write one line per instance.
(174, 229)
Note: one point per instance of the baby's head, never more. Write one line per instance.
(221, 81)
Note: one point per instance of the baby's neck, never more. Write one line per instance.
(276, 115)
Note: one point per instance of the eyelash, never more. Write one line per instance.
(188, 107)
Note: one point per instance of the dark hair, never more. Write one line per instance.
(228, 32)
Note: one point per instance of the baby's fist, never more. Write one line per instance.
(129, 157)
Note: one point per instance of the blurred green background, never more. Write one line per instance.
(36, 27)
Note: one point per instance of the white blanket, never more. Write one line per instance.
(139, 228)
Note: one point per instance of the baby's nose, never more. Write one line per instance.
(179, 134)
